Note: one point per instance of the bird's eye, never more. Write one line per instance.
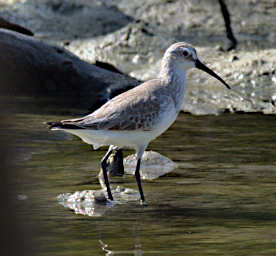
(185, 53)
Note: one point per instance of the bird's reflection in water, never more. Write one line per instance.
(131, 233)
(136, 251)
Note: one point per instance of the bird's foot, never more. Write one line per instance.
(143, 202)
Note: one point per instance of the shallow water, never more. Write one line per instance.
(221, 200)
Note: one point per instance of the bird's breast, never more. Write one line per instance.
(177, 90)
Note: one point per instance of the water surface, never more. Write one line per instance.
(221, 200)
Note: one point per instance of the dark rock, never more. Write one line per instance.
(14, 27)
(32, 67)
(107, 66)
(234, 58)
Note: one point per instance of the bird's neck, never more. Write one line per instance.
(174, 78)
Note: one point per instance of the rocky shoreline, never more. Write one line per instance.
(132, 36)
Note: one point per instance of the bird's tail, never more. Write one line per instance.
(60, 125)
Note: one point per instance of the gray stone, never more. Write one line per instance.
(153, 165)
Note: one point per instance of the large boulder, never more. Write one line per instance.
(30, 66)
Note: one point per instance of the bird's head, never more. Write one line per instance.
(184, 56)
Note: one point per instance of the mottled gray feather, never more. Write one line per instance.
(137, 109)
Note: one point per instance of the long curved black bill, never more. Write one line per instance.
(201, 66)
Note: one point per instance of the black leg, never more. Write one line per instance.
(138, 180)
(104, 165)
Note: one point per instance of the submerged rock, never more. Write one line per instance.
(94, 203)
(153, 165)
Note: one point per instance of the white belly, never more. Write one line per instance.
(98, 138)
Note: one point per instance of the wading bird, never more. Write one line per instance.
(136, 117)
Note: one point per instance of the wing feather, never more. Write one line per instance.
(139, 108)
